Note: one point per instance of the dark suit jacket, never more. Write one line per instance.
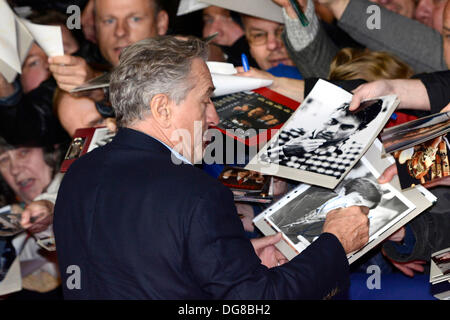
(140, 227)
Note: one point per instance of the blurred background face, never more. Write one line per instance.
(266, 45)
(26, 172)
(437, 18)
(34, 69)
(74, 113)
(120, 23)
(217, 19)
(403, 7)
(430, 12)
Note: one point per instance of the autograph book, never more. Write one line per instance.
(300, 214)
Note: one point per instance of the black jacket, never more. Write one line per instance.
(138, 226)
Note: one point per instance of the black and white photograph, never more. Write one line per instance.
(9, 222)
(300, 214)
(302, 218)
(323, 139)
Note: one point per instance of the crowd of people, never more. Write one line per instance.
(139, 226)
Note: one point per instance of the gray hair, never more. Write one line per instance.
(149, 67)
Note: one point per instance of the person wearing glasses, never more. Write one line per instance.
(267, 47)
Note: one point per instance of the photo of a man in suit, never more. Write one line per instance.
(140, 225)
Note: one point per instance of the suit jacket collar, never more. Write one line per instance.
(138, 140)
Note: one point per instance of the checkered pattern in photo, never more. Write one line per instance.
(323, 161)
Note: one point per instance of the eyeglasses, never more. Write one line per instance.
(259, 37)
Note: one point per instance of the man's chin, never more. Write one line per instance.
(113, 58)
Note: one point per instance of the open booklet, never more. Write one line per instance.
(252, 117)
(440, 274)
(16, 38)
(323, 140)
(420, 148)
(300, 214)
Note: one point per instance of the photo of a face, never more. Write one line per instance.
(328, 147)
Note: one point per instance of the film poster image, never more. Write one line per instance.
(249, 110)
(242, 179)
(75, 149)
(423, 163)
(301, 217)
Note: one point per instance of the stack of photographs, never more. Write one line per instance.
(440, 274)
(301, 213)
(420, 149)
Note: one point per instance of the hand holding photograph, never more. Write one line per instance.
(323, 139)
(301, 213)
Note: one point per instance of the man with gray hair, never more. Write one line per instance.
(132, 223)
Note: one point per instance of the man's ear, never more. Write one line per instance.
(161, 109)
(162, 22)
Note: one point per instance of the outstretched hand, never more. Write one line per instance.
(288, 7)
(37, 216)
(70, 71)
